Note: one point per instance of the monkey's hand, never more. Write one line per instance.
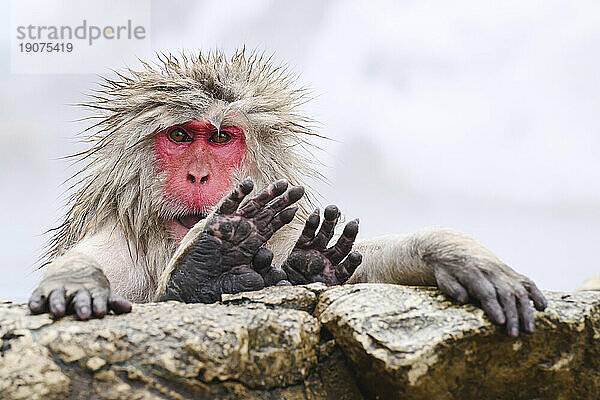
(464, 270)
(77, 288)
(226, 256)
(311, 260)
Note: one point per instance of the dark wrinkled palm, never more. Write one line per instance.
(311, 260)
(222, 258)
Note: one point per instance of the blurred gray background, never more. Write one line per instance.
(476, 115)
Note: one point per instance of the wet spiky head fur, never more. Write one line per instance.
(120, 182)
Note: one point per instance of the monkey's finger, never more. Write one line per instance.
(256, 203)
(37, 302)
(283, 218)
(278, 204)
(118, 304)
(262, 260)
(284, 283)
(450, 286)
(310, 227)
(293, 275)
(344, 271)
(233, 200)
(526, 314)
(274, 276)
(82, 304)
(344, 243)
(539, 300)
(327, 227)
(242, 279)
(482, 290)
(57, 302)
(509, 304)
(505, 293)
(99, 303)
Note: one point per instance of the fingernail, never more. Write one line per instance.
(514, 332)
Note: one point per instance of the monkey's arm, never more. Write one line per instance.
(462, 268)
(90, 278)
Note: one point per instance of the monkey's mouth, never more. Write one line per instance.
(190, 220)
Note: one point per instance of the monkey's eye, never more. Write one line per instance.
(220, 137)
(179, 135)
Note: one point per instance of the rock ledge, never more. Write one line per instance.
(307, 342)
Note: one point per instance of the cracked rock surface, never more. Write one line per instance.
(304, 342)
(413, 343)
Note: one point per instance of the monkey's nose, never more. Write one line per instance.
(192, 179)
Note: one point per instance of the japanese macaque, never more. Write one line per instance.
(194, 187)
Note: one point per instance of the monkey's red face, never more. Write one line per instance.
(198, 160)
